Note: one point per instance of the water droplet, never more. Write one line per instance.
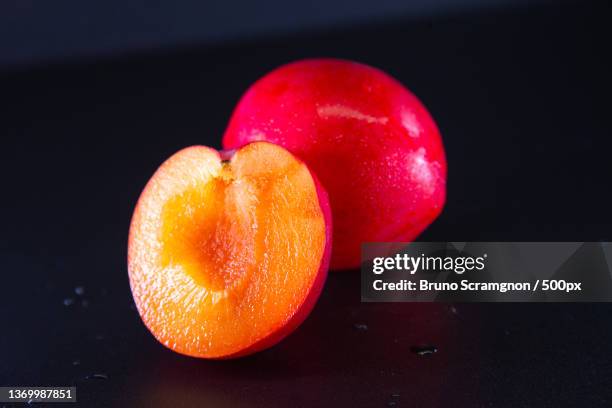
(361, 326)
(68, 301)
(424, 350)
(79, 290)
(97, 376)
(453, 310)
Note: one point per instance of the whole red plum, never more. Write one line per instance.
(371, 142)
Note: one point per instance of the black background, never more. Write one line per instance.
(522, 99)
(34, 31)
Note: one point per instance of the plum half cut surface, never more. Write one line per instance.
(227, 255)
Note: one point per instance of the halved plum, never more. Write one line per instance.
(228, 252)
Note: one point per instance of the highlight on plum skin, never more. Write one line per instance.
(373, 144)
(228, 252)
